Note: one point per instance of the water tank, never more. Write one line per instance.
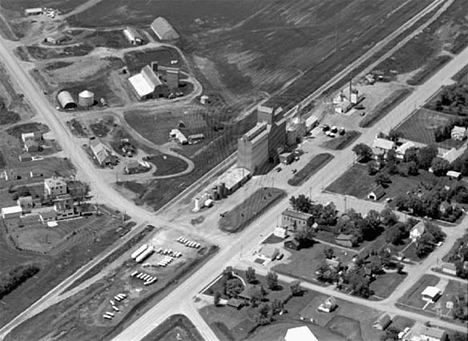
(86, 98)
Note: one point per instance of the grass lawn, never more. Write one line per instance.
(317, 162)
(385, 107)
(385, 284)
(136, 60)
(167, 164)
(252, 207)
(176, 327)
(453, 288)
(341, 142)
(401, 322)
(272, 239)
(420, 127)
(413, 296)
(303, 263)
(17, 130)
(434, 65)
(3, 162)
(355, 181)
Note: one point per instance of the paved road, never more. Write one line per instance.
(249, 238)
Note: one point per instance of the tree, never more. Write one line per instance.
(395, 233)
(359, 285)
(276, 306)
(233, 287)
(329, 252)
(435, 231)
(412, 155)
(388, 217)
(306, 236)
(440, 166)
(227, 273)
(295, 288)
(321, 271)
(250, 275)
(457, 336)
(216, 298)
(425, 245)
(395, 135)
(382, 179)
(363, 151)
(272, 280)
(301, 203)
(264, 314)
(426, 155)
(413, 168)
(256, 295)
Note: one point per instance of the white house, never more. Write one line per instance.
(417, 231)
(281, 231)
(431, 294)
(432, 334)
(459, 133)
(55, 186)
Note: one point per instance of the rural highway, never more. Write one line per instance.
(250, 237)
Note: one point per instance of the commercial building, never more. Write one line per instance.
(311, 122)
(54, 187)
(172, 77)
(432, 334)
(26, 203)
(164, 30)
(295, 131)
(296, 220)
(33, 11)
(147, 84)
(11, 212)
(252, 148)
(233, 179)
(133, 36)
(431, 294)
(382, 146)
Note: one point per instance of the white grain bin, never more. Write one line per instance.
(86, 98)
(197, 205)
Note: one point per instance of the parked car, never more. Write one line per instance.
(325, 127)
(363, 113)
(278, 169)
(294, 171)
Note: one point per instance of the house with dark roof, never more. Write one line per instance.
(376, 193)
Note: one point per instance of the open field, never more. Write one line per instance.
(80, 316)
(356, 181)
(253, 206)
(420, 127)
(66, 258)
(429, 69)
(165, 56)
(302, 264)
(385, 284)
(167, 164)
(175, 327)
(310, 169)
(385, 107)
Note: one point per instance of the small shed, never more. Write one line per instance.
(292, 243)
(66, 100)
(382, 322)
(454, 175)
(431, 294)
(376, 194)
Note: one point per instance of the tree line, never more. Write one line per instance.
(15, 277)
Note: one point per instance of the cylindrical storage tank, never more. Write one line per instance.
(209, 203)
(219, 189)
(86, 98)
(215, 195)
(139, 251)
(145, 254)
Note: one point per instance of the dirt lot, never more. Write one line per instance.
(165, 56)
(67, 256)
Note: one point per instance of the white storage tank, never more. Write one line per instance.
(86, 98)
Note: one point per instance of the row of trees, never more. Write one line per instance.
(460, 256)
(16, 277)
(455, 98)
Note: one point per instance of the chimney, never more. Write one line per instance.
(154, 66)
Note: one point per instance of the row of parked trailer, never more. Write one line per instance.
(169, 252)
(166, 261)
(109, 315)
(142, 253)
(148, 279)
(188, 242)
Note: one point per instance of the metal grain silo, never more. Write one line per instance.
(86, 98)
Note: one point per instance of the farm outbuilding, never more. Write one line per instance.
(147, 84)
(33, 11)
(85, 98)
(133, 36)
(163, 29)
(11, 212)
(56, 39)
(66, 100)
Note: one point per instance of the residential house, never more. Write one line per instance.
(300, 334)
(296, 220)
(235, 302)
(454, 175)
(401, 150)
(431, 294)
(292, 243)
(459, 133)
(268, 252)
(382, 322)
(26, 203)
(417, 231)
(376, 193)
(54, 187)
(64, 206)
(77, 189)
(344, 239)
(99, 151)
(25, 157)
(328, 306)
(432, 334)
(47, 216)
(281, 232)
(34, 135)
(449, 268)
(382, 146)
(31, 146)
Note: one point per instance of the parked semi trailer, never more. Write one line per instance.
(145, 254)
(139, 251)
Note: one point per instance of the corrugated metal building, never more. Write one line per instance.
(164, 30)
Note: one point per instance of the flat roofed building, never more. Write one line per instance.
(432, 334)
(11, 212)
(234, 178)
(383, 144)
(179, 136)
(55, 186)
(296, 220)
(34, 11)
(164, 30)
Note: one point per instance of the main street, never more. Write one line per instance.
(250, 237)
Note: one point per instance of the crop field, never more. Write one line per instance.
(238, 38)
(420, 127)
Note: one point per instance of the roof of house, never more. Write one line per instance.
(419, 227)
(404, 147)
(99, 151)
(379, 192)
(269, 251)
(300, 334)
(330, 301)
(235, 302)
(433, 332)
(459, 130)
(453, 154)
(54, 182)
(35, 135)
(48, 214)
(293, 241)
(163, 29)
(296, 214)
(383, 320)
(133, 33)
(431, 292)
(383, 144)
(150, 76)
(25, 200)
